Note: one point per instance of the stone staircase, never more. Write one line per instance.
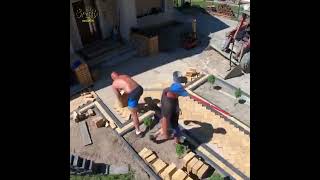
(107, 53)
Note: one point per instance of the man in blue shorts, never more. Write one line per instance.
(134, 91)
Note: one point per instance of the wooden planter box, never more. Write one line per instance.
(146, 46)
(83, 75)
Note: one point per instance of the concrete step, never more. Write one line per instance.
(113, 57)
(120, 58)
(102, 50)
(99, 48)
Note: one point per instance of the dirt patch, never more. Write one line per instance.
(166, 151)
(106, 148)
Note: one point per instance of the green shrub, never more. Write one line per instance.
(216, 177)
(211, 79)
(180, 149)
(147, 121)
(238, 93)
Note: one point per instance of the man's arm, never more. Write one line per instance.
(116, 90)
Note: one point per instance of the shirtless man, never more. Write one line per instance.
(134, 91)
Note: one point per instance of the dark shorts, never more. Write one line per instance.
(134, 97)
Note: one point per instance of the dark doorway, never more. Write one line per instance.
(88, 34)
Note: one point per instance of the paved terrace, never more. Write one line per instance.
(156, 73)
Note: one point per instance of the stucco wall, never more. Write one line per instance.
(128, 17)
(107, 14)
(143, 6)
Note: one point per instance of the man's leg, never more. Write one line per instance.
(133, 107)
(135, 119)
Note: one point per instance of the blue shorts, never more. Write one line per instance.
(134, 97)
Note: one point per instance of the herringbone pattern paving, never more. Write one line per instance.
(232, 144)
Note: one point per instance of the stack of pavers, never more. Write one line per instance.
(171, 172)
(192, 74)
(82, 166)
(195, 166)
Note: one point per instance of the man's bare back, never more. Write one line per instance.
(125, 83)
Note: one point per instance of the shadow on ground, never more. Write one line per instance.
(204, 133)
(170, 44)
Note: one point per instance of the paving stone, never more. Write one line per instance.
(234, 145)
(179, 175)
(81, 117)
(71, 159)
(169, 171)
(74, 116)
(89, 100)
(191, 164)
(112, 125)
(151, 158)
(99, 121)
(91, 112)
(187, 158)
(202, 172)
(88, 164)
(84, 131)
(145, 153)
(159, 165)
(77, 162)
(196, 167)
(188, 178)
(119, 169)
(83, 165)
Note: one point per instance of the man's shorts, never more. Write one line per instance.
(134, 96)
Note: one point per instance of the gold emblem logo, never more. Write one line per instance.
(89, 15)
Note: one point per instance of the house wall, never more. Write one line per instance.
(167, 15)
(144, 6)
(128, 17)
(107, 14)
(74, 33)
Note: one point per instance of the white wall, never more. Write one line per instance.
(128, 17)
(107, 13)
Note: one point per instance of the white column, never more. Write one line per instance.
(128, 17)
(105, 25)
